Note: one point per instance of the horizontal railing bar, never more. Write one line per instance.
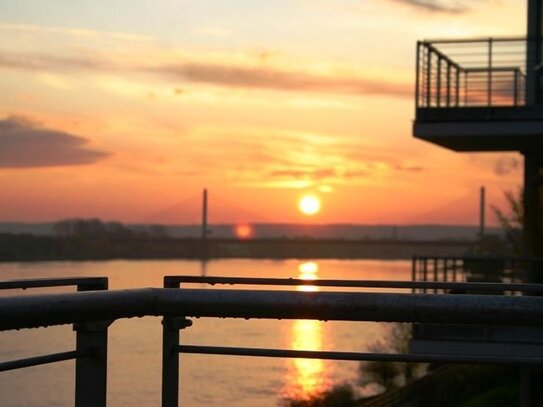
(357, 356)
(485, 258)
(481, 40)
(357, 283)
(56, 309)
(38, 360)
(467, 65)
(513, 54)
(442, 55)
(53, 282)
(86, 306)
(493, 69)
(502, 54)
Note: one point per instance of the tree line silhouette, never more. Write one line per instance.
(93, 239)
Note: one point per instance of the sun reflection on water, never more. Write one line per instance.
(307, 377)
(308, 271)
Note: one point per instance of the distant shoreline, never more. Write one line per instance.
(23, 248)
(416, 232)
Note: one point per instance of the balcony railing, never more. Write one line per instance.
(488, 273)
(93, 311)
(91, 342)
(488, 72)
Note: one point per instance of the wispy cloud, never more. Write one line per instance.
(264, 77)
(24, 144)
(54, 63)
(409, 168)
(441, 6)
(286, 159)
(248, 75)
(75, 32)
(316, 174)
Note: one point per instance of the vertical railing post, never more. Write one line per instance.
(533, 58)
(170, 352)
(515, 87)
(489, 90)
(170, 357)
(428, 76)
(466, 89)
(91, 364)
(457, 97)
(414, 272)
(417, 78)
(170, 363)
(425, 271)
(438, 85)
(463, 273)
(436, 266)
(448, 84)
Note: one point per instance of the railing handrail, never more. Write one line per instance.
(81, 282)
(91, 341)
(494, 69)
(441, 285)
(442, 55)
(57, 309)
(484, 258)
(477, 39)
(93, 311)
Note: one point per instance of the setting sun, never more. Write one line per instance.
(309, 205)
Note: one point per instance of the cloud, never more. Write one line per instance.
(265, 77)
(409, 168)
(26, 145)
(316, 174)
(440, 6)
(217, 73)
(282, 158)
(44, 62)
(75, 32)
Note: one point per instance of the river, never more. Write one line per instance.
(134, 369)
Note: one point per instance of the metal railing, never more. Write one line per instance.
(91, 343)
(488, 72)
(176, 305)
(488, 273)
(172, 325)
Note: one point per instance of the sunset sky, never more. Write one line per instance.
(127, 110)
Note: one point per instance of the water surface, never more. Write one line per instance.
(134, 370)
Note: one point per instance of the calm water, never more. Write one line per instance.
(135, 345)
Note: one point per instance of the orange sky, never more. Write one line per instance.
(127, 113)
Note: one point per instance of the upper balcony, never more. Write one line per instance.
(479, 94)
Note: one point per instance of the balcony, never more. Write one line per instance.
(478, 94)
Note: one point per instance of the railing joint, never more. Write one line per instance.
(93, 326)
(173, 323)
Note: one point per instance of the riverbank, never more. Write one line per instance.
(41, 248)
